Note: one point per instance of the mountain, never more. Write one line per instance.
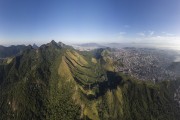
(11, 50)
(56, 81)
(34, 46)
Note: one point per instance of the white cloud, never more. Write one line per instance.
(159, 39)
(146, 37)
(2, 42)
(168, 34)
(146, 33)
(142, 34)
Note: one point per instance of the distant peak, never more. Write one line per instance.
(34, 46)
(53, 42)
(61, 44)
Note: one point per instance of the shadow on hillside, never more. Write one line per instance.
(113, 80)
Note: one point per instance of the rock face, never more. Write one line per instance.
(55, 81)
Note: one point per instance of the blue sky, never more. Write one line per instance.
(81, 21)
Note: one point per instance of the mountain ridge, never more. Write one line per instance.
(56, 81)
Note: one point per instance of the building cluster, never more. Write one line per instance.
(144, 63)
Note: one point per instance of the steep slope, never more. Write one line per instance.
(29, 86)
(57, 82)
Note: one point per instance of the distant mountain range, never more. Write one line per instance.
(14, 50)
(11, 50)
(56, 81)
(103, 45)
(91, 45)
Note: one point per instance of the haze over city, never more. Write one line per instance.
(85, 21)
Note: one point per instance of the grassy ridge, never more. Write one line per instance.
(55, 82)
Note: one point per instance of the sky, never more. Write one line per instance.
(84, 21)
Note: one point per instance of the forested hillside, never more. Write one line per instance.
(58, 82)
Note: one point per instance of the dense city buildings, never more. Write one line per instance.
(144, 63)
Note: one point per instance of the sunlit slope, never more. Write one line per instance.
(56, 81)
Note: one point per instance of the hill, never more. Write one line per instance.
(56, 81)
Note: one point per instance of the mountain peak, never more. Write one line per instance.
(34, 46)
(53, 42)
(61, 44)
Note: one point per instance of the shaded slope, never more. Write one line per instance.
(57, 82)
(29, 87)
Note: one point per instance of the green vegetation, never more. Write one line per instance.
(57, 82)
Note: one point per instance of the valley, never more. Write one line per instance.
(55, 81)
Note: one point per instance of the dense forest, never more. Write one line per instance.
(56, 81)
